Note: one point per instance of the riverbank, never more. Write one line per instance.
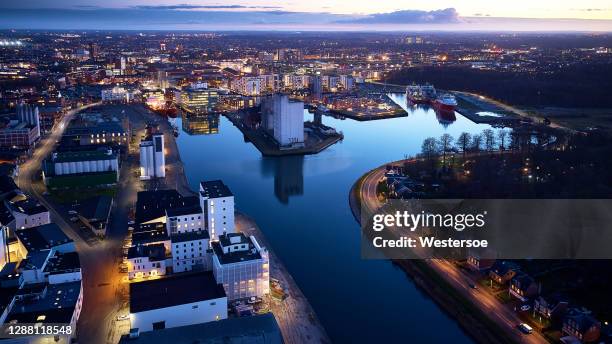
(472, 319)
(295, 316)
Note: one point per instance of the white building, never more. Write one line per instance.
(147, 261)
(248, 85)
(217, 203)
(241, 266)
(285, 118)
(190, 251)
(347, 82)
(62, 163)
(152, 157)
(27, 213)
(178, 300)
(116, 94)
(296, 82)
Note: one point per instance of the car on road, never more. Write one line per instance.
(72, 212)
(472, 285)
(525, 308)
(131, 223)
(74, 219)
(526, 329)
(123, 317)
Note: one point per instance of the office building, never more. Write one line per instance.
(152, 157)
(199, 99)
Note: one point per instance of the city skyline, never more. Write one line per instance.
(437, 15)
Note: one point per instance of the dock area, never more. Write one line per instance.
(295, 316)
(367, 117)
(315, 142)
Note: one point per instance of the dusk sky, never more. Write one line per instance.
(518, 15)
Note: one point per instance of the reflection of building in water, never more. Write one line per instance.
(288, 175)
(201, 124)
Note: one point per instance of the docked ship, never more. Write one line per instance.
(445, 102)
(421, 94)
(414, 94)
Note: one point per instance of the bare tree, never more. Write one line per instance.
(502, 136)
(463, 142)
(489, 139)
(445, 144)
(476, 143)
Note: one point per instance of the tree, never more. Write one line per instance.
(476, 143)
(489, 139)
(463, 142)
(502, 135)
(429, 148)
(445, 144)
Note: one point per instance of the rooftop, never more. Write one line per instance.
(63, 263)
(174, 290)
(42, 237)
(190, 236)
(214, 189)
(91, 155)
(28, 206)
(262, 329)
(56, 302)
(154, 252)
(151, 205)
(250, 253)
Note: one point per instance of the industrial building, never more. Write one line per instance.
(284, 119)
(241, 266)
(152, 157)
(217, 204)
(177, 300)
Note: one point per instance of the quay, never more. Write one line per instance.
(315, 143)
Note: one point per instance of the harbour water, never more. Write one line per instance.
(301, 204)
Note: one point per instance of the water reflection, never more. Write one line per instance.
(288, 172)
(204, 124)
(445, 118)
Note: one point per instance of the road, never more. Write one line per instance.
(506, 318)
(104, 293)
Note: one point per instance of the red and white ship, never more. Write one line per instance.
(445, 102)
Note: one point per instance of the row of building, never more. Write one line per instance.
(577, 324)
(191, 241)
(40, 270)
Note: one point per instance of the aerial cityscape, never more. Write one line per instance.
(269, 172)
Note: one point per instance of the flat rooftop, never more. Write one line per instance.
(259, 329)
(42, 237)
(214, 189)
(175, 290)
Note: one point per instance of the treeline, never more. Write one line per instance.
(584, 85)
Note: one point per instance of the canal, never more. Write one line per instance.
(301, 204)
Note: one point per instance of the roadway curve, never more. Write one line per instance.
(506, 318)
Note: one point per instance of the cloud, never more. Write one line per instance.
(590, 9)
(196, 7)
(444, 16)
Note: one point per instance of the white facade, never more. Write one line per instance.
(287, 119)
(218, 213)
(296, 82)
(245, 277)
(141, 267)
(115, 94)
(181, 315)
(23, 220)
(185, 223)
(188, 254)
(152, 157)
(248, 85)
(86, 166)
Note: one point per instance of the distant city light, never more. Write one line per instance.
(6, 43)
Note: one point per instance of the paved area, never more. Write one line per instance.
(459, 280)
(296, 318)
